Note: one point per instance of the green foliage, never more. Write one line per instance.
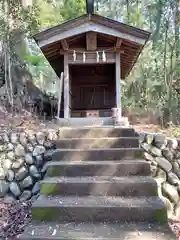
(173, 131)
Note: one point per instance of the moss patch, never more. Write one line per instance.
(44, 214)
(53, 172)
(161, 216)
(48, 189)
(139, 154)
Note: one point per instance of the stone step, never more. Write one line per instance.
(97, 154)
(96, 132)
(97, 168)
(99, 186)
(98, 231)
(91, 122)
(91, 208)
(86, 143)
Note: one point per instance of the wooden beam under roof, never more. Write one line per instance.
(91, 41)
(118, 44)
(65, 44)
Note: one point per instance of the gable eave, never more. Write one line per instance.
(76, 26)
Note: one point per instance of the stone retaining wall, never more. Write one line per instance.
(22, 157)
(163, 154)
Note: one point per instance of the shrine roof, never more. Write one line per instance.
(108, 30)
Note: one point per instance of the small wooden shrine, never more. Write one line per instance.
(94, 53)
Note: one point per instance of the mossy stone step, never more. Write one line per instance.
(99, 186)
(97, 168)
(96, 132)
(87, 143)
(97, 154)
(97, 209)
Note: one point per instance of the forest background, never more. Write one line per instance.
(152, 90)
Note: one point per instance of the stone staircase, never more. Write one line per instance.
(98, 186)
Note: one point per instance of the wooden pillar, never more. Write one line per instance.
(66, 86)
(118, 83)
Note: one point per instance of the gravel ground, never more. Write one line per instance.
(14, 217)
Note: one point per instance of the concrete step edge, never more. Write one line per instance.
(98, 231)
(100, 202)
(96, 149)
(102, 138)
(99, 179)
(69, 163)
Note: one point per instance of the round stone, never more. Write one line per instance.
(10, 147)
(15, 189)
(52, 135)
(3, 148)
(146, 147)
(34, 171)
(176, 167)
(23, 139)
(11, 155)
(164, 164)
(7, 163)
(156, 152)
(172, 143)
(161, 176)
(173, 179)
(10, 175)
(167, 153)
(36, 188)
(40, 136)
(2, 174)
(21, 173)
(39, 150)
(25, 196)
(48, 145)
(18, 163)
(6, 137)
(153, 170)
(160, 141)
(14, 138)
(27, 182)
(148, 157)
(32, 139)
(29, 158)
(170, 191)
(39, 161)
(19, 151)
(177, 155)
(29, 147)
(3, 188)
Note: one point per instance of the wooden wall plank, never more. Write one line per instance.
(91, 41)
